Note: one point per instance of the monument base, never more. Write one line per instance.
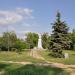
(40, 48)
(36, 48)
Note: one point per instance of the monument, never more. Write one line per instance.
(39, 42)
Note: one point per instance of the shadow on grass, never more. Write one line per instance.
(36, 70)
(3, 66)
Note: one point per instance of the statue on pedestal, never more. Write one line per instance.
(39, 42)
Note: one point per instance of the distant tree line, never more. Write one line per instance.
(10, 42)
(59, 40)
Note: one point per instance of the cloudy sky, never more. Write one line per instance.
(23, 16)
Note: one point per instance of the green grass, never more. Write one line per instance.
(70, 60)
(24, 56)
(17, 69)
(13, 56)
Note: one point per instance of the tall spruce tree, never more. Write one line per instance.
(59, 37)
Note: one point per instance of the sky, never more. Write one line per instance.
(24, 16)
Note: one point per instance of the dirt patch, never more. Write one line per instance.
(13, 62)
(35, 54)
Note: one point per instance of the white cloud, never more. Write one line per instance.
(11, 28)
(8, 17)
(25, 11)
(11, 17)
(19, 20)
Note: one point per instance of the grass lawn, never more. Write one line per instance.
(24, 56)
(13, 56)
(17, 69)
(71, 59)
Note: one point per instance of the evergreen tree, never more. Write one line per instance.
(59, 37)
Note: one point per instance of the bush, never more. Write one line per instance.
(56, 52)
(56, 55)
(74, 46)
(13, 49)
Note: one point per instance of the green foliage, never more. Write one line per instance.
(30, 69)
(45, 39)
(32, 40)
(73, 46)
(1, 43)
(23, 57)
(35, 39)
(70, 61)
(8, 40)
(57, 54)
(72, 39)
(19, 45)
(59, 37)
